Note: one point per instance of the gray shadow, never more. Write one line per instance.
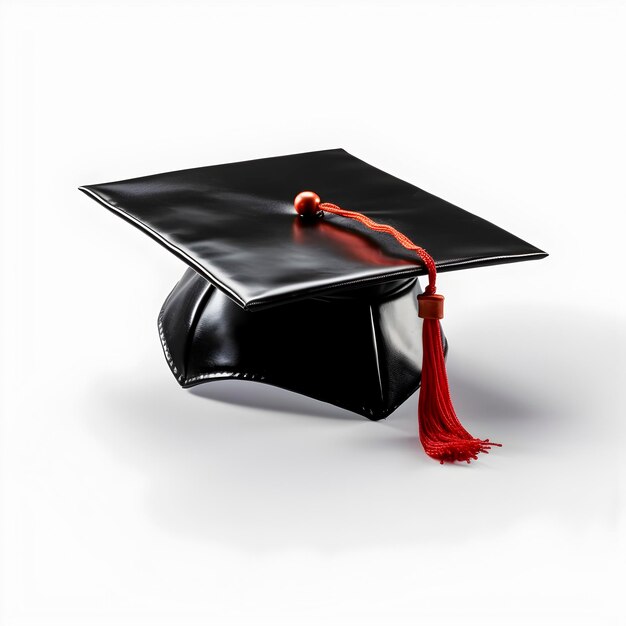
(256, 395)
(254, 467)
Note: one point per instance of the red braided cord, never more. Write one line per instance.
(402, 239)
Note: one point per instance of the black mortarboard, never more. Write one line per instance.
(323, 302)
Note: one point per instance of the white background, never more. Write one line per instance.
(126, 500)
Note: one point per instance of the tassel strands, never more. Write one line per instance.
(442, 435)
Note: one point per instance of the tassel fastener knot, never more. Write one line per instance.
(430, 306)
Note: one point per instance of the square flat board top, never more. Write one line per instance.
(235, 225)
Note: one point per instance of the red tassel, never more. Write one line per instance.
(441, 432)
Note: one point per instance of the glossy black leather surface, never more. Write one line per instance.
(235, 225)
(361, 353)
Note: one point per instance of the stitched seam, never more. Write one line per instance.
(376, 357)
(225, 374)
(195, 320)
(456, 262)
(166, 351)
(412, 271)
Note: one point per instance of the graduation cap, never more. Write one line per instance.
(323, 300)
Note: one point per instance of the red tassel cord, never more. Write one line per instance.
(443, 436)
